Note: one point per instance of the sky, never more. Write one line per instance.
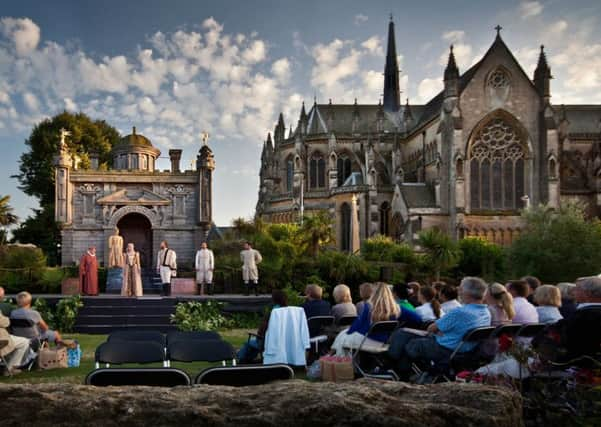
(177, 68)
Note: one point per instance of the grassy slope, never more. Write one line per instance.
(88, 344)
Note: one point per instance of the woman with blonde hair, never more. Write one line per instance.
(381, 307)
(365, 291)
(548, 300)
(344, 302)
(500, 304)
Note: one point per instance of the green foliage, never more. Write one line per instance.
(441, 251)
(382, 248)
(482, 259)
(42, 307)
(557, 245)
(66, 312)
(244, 320)
(316, 232)
(293, 296)
(7, 216)
(340, 267)
(26, 264)
(199, 316)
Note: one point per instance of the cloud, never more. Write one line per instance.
(31, 102)
(428, 88)
(374, 46)
(528, 9)
(281, 70)
(453, 36)
(23, 32)
(360, 19)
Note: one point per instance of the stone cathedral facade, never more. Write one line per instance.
(146, 205)
(466, 162)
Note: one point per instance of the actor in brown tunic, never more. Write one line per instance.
(132, 279)
(88, 272)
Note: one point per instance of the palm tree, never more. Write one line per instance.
(7, 217)
(317, 231)
(441, 250)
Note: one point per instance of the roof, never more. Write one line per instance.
(134, 139)
(418, 195)
(338, 118)
(583, 118)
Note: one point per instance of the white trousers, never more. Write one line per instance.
(250, 273)
(18, 356)
(165, 274)
(204, 276)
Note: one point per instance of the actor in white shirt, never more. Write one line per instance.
(166, 266)
(204, 265)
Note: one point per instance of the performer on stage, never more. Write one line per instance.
(88, 272)
(204, 265)
(115, 250)
(166, 266)
(250, 273)
(132, 279)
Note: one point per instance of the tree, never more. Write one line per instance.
(557, 245)
(481, 258)
(441, 251)
(36, 169)
(7, 217)
(317, 231)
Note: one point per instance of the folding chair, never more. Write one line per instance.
(119, 352)
(346, 320)
(375, 349)
(531, 330)
(509, 329)
(202, 351)
(192, 335)
(142, 336)
(26, 328)
(156, 377)
(245, 375)
(316, 325)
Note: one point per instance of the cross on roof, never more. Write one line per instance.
(498, 28)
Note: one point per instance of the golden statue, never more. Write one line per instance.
(115, 250)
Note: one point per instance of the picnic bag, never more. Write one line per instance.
(52, 358)
(336, 368)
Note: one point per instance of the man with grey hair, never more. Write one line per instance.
(588, 292)
(445, 333)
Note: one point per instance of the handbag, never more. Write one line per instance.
(337, 369)
(73, 353)
(52, 358)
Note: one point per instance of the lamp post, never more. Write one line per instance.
(58, 254)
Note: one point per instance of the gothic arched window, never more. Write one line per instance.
(344, 169)
(317, 172)
(385, 219)
(498, 79)
(345, 227)
(497, 162)
(289, 174)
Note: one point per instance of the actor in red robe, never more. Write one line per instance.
(88, 272)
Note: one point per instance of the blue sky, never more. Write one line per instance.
(176, 68)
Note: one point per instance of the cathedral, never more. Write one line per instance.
(489, 144)
(146, 205)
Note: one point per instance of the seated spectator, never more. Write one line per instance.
(250, 350)
(447, 332)
(533, 283)
(344, 303)
(448, 298)
(524, 311)
(500, 304)
(413, 293)
(437, 286)
(314, 305)
(548, 301)
(16, 351)
(365, 290)
(26, 312)
(400, 292)
(5, 306)
(568, 302)
(430, 307)
(381, 307)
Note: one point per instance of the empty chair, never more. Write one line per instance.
(146, 336)
(246, 375)
(316, 325)
(346, 320)
(192, 335)
(287, 337)
(118, 352)
(157, 377)
(374, 349)
(201, 351)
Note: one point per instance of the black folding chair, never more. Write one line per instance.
(374, 350)
(531, 330)
(118, 352)
(145, 336)
(192, 335)
(245, 375)
(201, 351)
(316, 325)
(26, 328)
(510, 329)
(156, 377)
(346, 320)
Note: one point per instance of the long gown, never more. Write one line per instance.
(88, 274)
(132, 279)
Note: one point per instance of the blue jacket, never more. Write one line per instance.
(363, 322)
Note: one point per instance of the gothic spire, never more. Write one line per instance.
(269, 142)
(392, 97)
(451, 71)
(542, 75)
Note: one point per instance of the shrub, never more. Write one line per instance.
(199, 316)
(482, 259)
(66, 312)
(441, 251)
(24, 263)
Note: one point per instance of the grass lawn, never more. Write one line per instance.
(88, 344)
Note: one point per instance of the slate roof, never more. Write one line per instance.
(583, 118)
(418, 195)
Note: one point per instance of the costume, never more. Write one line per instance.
(204, 265)
(250, 273)
(88, 274)
(132, 279)
(115, 251)
(17, 349)
(167, 267)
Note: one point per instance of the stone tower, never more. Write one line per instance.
(205, 165)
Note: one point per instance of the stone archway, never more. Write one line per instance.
(137, 229)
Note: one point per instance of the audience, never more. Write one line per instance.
(380, 307)
(401, 293)
(413, 293)
(533, 283)
(448, 298)
(26, 312)
(500, 304)
(365, 290)
(568, 302)
(548, 301)
(17, 350)
(446, 332)
(524, 311)
(344, 303)
(437, 286)
(430, 307)
(314, 305)
(250, 350)
(5, 306)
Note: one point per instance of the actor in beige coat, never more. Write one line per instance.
(250, 258)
